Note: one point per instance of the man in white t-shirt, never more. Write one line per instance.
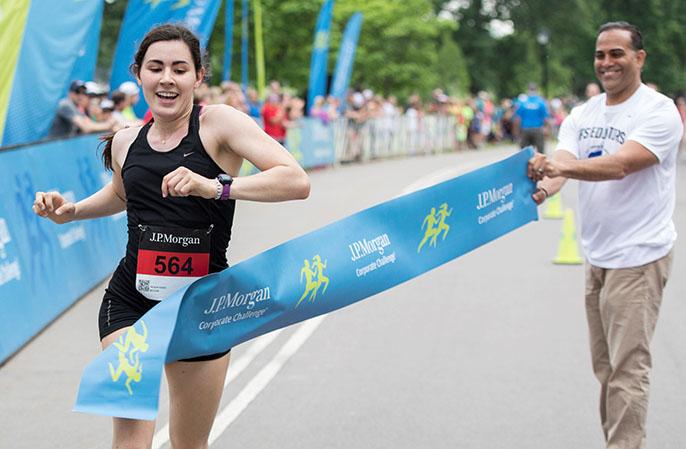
(622, 146)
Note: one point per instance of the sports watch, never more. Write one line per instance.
(224, 187)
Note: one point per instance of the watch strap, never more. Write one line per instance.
(226, 190)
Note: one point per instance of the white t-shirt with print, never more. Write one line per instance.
(626, 223)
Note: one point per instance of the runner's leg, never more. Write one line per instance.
(195, 389)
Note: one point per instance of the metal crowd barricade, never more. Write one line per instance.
(392, 136)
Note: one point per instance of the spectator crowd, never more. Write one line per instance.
(479, 119)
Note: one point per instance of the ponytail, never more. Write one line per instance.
(107, 139)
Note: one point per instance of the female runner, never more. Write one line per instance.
(177, 179)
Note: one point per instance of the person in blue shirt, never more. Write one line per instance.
(254, 104)
(531, 114)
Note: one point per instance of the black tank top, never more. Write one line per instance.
(142, 174)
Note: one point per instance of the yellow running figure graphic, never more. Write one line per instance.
(435, 224)
(312, 283)
(129, 357)
(428, 223)
(443, 212)
(321, 279)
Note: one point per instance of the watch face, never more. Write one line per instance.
(224, 179)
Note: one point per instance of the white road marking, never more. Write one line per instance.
(258, 383)
(444, 174)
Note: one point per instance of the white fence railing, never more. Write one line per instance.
(389, 137)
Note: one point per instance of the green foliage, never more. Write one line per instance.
(397, 50)
(518, 65)
(405, 47)
(109, 32)
(452, 68)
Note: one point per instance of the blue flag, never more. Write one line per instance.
(320, 55)
(333, 267)
(346, 57)
(228, 39)
(54, 39)
(84, 66)
(142, 15)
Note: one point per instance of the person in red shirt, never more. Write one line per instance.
(273, 117)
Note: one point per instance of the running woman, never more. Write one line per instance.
(176, 177)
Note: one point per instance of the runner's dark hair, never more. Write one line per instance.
(636, 36)
(161, 33)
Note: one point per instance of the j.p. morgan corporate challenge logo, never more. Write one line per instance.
(234, 307)
(494, 202)
(434, 225)
(312, 272)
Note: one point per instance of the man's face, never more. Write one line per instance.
(81, 99)
(617, 65)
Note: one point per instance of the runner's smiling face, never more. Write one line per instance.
(168, 77)
(617, 65)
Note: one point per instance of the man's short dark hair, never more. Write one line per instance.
(636, 37)
(77, 86)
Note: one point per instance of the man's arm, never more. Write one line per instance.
(554, 172)
(87, 126)
(631, 157)
(548, 186)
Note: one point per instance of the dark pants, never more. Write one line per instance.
(533, 136)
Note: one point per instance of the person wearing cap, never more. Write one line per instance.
(103, 111)
(121, 102)
(132, 92)
(530, 115)
(95, 90)
(71, 118)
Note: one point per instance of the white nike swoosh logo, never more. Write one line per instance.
(188, 154)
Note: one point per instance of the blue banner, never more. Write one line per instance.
(335, 266)
(244, 45)
(53, 40)
(44, 267)
(311, 143)
(142, 15)
(320, 55)
(228, 39)
(346, 58)
(84, 66)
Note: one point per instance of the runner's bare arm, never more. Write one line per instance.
(109, 200)
(280, 178)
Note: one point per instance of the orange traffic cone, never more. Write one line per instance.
(567, 250)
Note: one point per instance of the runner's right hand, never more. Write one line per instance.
(52, 205)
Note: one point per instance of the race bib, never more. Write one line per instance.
(170, 258)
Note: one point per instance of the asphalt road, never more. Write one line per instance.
(488, 351)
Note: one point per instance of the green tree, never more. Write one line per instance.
(397, 50)
(451, 67)
(403, 47)
(109, 32)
